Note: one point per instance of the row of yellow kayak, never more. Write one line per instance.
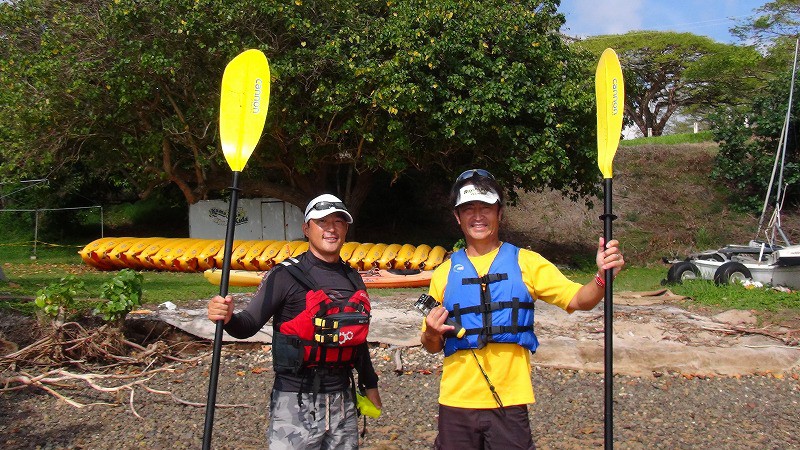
(197, 255)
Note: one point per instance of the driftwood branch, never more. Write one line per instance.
(398, 361)
(60, 378)
(790, 337)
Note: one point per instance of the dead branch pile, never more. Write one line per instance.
(97, 356)
(71, 344)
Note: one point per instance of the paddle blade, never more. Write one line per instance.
(610, 93)
(243, 106)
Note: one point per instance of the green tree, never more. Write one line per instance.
(750, 137)
(773, 29)
(748, 142)
(772, 21)
(668, 73)
(125, 94)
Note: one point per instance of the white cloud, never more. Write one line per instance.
(593, 17)
(711, 18)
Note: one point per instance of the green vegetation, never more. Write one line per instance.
(166, 214)
(119, 100)
(632, 279)
(736, 296)
(27, 277)
(748, 141)
(122, 294)
(703, 292)
(12, 250)
(671, 139)
(57, 298)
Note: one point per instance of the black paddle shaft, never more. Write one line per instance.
(223, 291)
(608, 322)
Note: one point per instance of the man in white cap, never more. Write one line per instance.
(313, 403)
(489, 289)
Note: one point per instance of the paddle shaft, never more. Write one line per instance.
(608, 322)
(223, 291)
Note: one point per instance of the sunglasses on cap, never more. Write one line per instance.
(472, 173)
(322, 206)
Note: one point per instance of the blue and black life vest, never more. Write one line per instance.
(496, 307)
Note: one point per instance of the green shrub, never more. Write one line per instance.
(56, 299)
(122, 294)
(748, 142)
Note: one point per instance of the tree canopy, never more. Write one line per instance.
(750, 137)
(773, 21)
(749, 141)
(667, 73)
(124, 95)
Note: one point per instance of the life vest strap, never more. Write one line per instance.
(299, 275)
(327, 336)
(495, 306)
(486, 279)
(498, 329)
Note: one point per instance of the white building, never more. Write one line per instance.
(256, 219)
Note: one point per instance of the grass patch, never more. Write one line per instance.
(19, 306)
(631, 279)
(672, 139)
(27, 276)
(736, 296)
(16, 252)
(181, 287)
(702, 292)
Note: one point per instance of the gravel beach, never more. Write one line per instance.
(661, 410)
(668, 412)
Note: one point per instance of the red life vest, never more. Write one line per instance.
(327, 330)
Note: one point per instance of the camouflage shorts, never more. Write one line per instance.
(328, 423)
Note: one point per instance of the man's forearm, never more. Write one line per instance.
(587, 297)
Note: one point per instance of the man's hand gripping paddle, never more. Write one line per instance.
(243, 109)
(610, 94)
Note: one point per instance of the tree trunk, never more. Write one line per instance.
(166, 149)
(356, 197)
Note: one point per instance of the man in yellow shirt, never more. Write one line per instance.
(489, 288)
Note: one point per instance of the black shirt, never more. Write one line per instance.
(281, 297)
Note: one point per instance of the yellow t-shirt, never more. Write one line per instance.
(508, 366)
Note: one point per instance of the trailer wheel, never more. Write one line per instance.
(681, 271)
(731, 272)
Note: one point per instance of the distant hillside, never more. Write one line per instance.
(665, 205)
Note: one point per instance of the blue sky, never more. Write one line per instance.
(712, 18)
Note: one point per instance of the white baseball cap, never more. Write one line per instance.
(471, 193)
(325, 204)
